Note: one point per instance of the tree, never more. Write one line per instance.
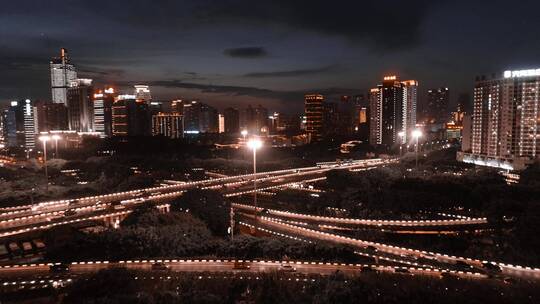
(207, 205)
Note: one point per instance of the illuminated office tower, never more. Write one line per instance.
(221, 123)
(392, 110)
(130, 117)
(142, 93)
(410, 101)
(30, 125)
(313, 110)
(13, 124)
(62, 74)
(168, 125)
(103, 101)
(80, 106)
(506, 120)
(20, 125)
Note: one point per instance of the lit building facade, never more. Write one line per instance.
(80, 106)
(142, 93)
(506, 120)
(168, 125)
(103, 102)
(62, 74)
(19, 125)
(30, 125)
(392, 110)
(314, 114)
(130, 117)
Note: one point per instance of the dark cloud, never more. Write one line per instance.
(293, 73)
(283, 96)
(382, 24)
(90, 71)
(215, 89)
(246, 52)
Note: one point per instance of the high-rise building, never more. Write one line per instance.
(221, 118)
(436, 109)
(168, 125)
(51, 116)
(255, 120)
(177, 106)
(209, 120)
(30, 125)
(130, 117)
(62, 74)
(155, 107)
(392, 110)
(80, 106)
(142, 93)
(231, 120)
(506, 120)
(331, 119)
(103, 102)
(361, 118)
(20, 124)
(346, 115)
(314, 112)
(200, 118)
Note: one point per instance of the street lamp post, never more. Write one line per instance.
(254, 144)
(244, 134)
(56, 137)
(401, 135)
(416, 134)
(44, 139)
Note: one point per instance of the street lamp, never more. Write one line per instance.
(401, 135)
(44, 139)
(254, 144)
(244, 134)
(416, 134)
(56, 137)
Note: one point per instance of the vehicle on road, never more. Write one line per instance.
(371, 249)
(489, 267)
(241, 265)
(402, 270)
(70, 212)
(287, 268)
(509, 280)
(160, 267)
(59, 268)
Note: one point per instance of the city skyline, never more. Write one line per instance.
(234, 56)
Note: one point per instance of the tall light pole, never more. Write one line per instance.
(244, 134)
(254, 144)
(56, 137)
(401, 135)
(416, 134)
(44, 139)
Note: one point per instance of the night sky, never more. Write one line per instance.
(234, 52)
